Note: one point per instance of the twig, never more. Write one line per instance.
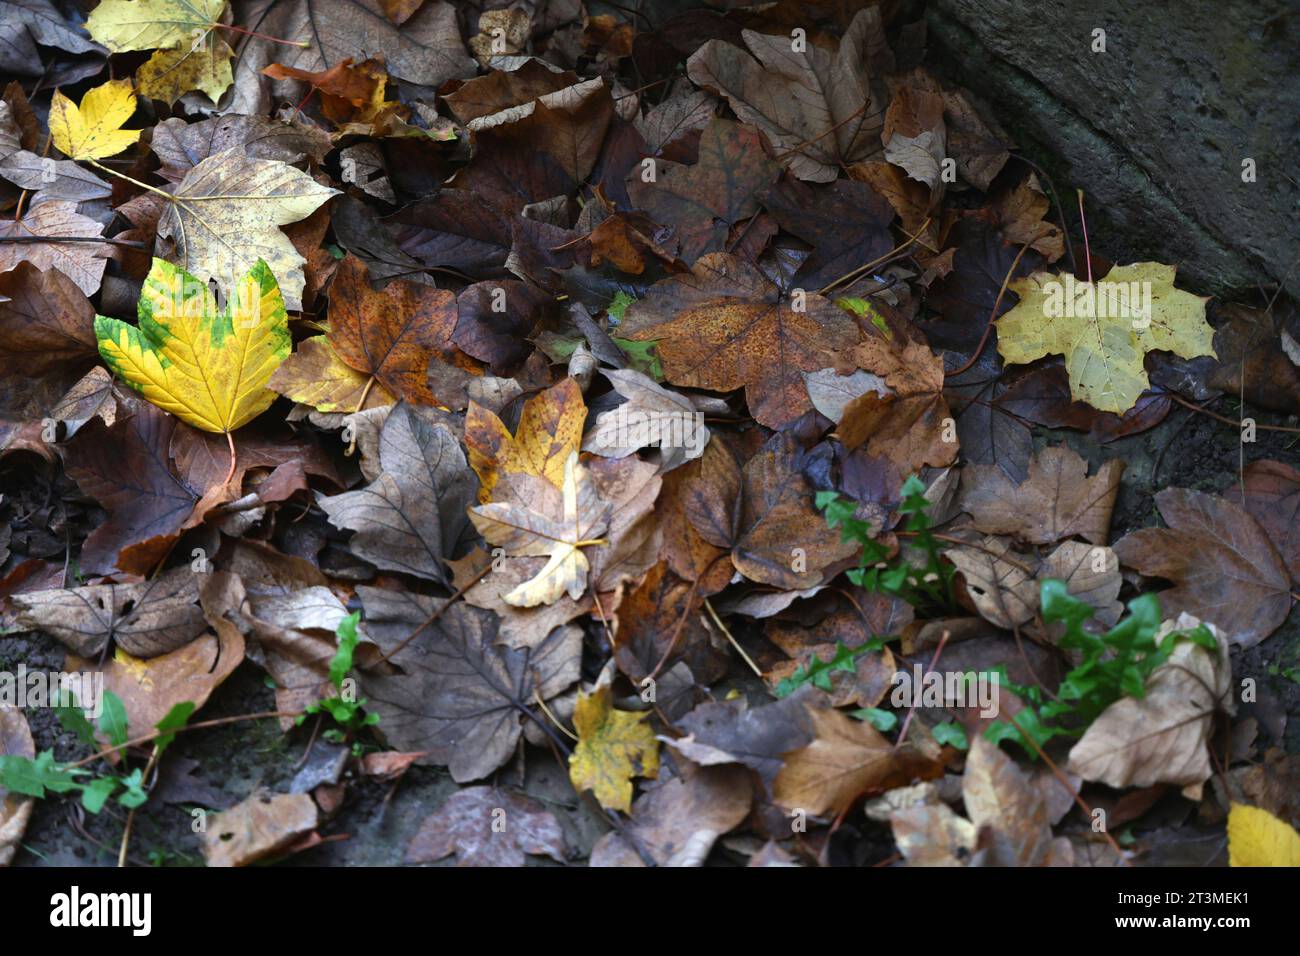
(435, 615)
(849, 276)
(708, 606)
(1229, 421)
(201, 725)
(988, 327)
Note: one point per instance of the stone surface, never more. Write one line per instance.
(1155, 129)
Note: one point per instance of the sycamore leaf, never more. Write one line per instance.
(613, 747)
(204, 66)
(316, 376)
(208, 368)
(1257, 838)
(550, 429)
(1105, 329)
(532, 518)
(226, 213)
(94, 129)
(123, 25)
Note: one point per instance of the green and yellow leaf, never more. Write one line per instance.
(208, 367)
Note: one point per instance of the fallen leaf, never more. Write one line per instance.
(846, 759)
(412, 517)
(1103, 332)
(150, 689)
(678, 822)
(261, 826)
(391, 335)
(1057, 500)
(463, 696)
(126, 467)
(999, 581)
(15, 811)
(231, 194)
(1162, 737)
(1225, 568)
(530, 517)
(704, 201)
(485, 826)
(146, 619)
(47, 324)
(550, 430)
(46, 223)
(1002, 801)
(1257, 838)
(1270, 492)
(93, 130)
(613, 747)
(208, 368)
(724, 326)
(818, 108)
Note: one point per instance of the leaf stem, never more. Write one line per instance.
(301, 44)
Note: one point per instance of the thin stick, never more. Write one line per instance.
(1229, 421)
(708, 606)
(125, 243)
(911, 709)
(435, 615)
(201, 725)
(997, 303)
(301, 44)
(849, 276)
(553, 719)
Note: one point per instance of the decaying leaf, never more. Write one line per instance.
(15, 810)
(550, 430)
(263, 825)
(613, 747)
(485, 826)
(1162, 737)
(1057, 500)
(1225, 568)
(224, 218)
(461, 697)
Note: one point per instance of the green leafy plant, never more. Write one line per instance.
(347, 712)
(818, 672)
(43, 775)
(1114, 664)
(928, 586)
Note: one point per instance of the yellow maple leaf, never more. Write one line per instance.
(1257, 838)
(170, 74)
(1105, 328)
(613, 747)
(315, 375)
(550, 429)
(94, 129)
(205, 366)
(123, 25)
